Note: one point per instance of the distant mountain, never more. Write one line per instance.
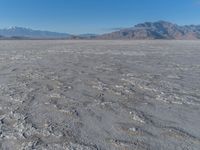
(88, 35)
(29, 33)
(156, 30)
(84, 36)
(142, 31)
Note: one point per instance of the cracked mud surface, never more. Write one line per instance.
(100, 95)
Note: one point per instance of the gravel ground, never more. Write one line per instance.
(99, 95)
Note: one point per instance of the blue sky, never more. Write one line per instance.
(94, 16)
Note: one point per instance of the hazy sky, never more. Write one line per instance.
(94, 16)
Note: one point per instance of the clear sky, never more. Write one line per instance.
(94, 16)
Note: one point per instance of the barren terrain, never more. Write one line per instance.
(99, 95)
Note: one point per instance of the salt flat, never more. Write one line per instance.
(99, 95)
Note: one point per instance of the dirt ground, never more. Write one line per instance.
(99, 95)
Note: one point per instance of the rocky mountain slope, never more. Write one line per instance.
(156, 30)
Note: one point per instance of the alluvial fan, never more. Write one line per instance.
(99, 95)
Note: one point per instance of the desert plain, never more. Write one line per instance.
(99, 95)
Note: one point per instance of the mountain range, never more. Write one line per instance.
(20, 32)
(147, 30)
(156, 30)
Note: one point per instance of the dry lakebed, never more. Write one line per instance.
(99, 95)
